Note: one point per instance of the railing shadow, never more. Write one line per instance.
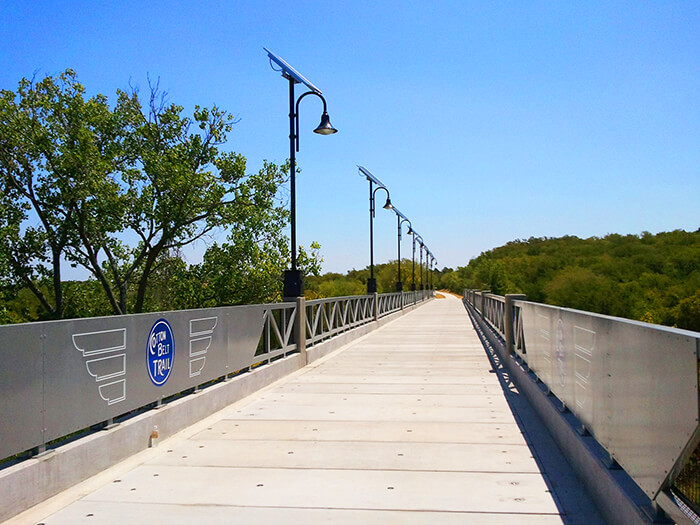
(569, 494)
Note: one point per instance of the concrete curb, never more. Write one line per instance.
(35, 480)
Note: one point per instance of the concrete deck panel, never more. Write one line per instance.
(408, 424)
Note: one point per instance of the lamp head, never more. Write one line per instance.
(325, 127)
(410, 231)
(388, 205)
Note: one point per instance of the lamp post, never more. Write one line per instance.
(429, 264)
(413, 232)
(428, 258)
(400, 219)
(293, 279)
(433, 264)
(422, 245)
(364, 172)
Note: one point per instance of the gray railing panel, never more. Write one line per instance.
(102, 363)
(654, 392)
(21, 405)
(96, 369)
(634, 386)
(243, 329)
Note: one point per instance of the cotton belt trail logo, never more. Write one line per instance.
(160, 352)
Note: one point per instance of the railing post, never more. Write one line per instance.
(300, 328)
(510, 337)
(376, 306)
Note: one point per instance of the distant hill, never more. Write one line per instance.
(654, 278)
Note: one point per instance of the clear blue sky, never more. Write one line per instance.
(488, 121)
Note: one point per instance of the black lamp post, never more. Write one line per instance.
(429, 268)
(293, 279)
(372, 282)
(434, 264)
(420, 251)
(400, 219)
(430, 271)
(412, 232)
(422, 245)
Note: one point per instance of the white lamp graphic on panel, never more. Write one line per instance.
(105, 360)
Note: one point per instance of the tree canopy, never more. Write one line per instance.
(120, 191)
(654, 278)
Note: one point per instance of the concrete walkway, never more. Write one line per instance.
(408, 424)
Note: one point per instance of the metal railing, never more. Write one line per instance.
(494, 311)
(416, 296)
(62, 377)
(632, 385)
(277, 339)
(388, 303)
(328, 317)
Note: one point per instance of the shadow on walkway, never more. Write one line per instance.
(570, 496)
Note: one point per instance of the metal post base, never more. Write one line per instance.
(399, 287)
(371, 285)
(413, 287)
(293, 284)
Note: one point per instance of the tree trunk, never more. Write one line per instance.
(57, 285)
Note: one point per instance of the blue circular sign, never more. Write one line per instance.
(160, 352)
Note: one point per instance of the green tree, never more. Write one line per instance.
(179, 189)
(120, 192)
(654, 278)
(58, 152)
(688, 312)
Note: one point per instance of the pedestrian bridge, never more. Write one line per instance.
(432, 417)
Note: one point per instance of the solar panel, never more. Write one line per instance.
(290, 71)
(366, 173)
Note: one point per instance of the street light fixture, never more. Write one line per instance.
(413, 232)
(364, 172)
(422, 245)
(400, 219)
(293, 279)
(434, 267)
(427, 268)
(417, 237)
(429, 264)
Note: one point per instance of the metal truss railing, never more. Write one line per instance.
(494, 311)
(388, 303)
(328, 317)
(277, 339)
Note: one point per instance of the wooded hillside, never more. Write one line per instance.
(654, 278)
